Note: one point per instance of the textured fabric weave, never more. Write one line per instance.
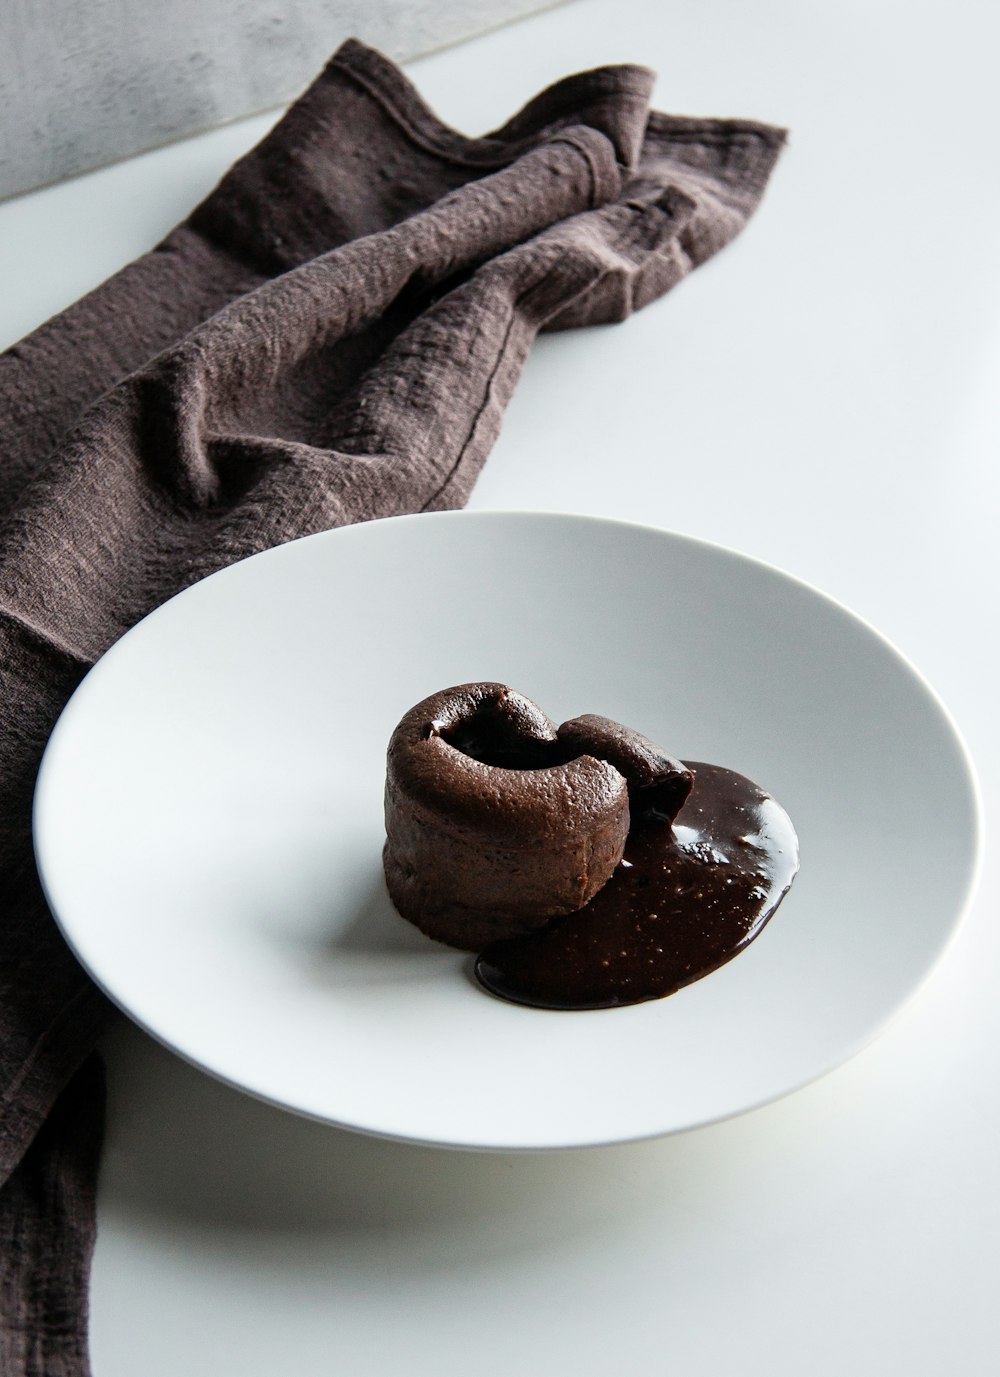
(331, 337)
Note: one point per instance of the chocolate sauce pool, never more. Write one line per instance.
(684, 900)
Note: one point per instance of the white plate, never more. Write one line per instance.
(209, 823)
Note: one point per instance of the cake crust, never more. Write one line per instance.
(494, 826)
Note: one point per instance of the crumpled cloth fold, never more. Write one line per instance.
(331, 337)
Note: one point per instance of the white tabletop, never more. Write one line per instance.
(822, 396)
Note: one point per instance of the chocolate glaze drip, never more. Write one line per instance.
(684, 900)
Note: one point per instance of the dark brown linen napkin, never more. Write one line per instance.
(331, 337)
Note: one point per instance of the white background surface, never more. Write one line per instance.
(823, 396)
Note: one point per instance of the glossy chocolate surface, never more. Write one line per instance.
(684, 900)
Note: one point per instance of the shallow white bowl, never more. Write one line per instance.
(208, 823)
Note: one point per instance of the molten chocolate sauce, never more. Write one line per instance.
(684, 900)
